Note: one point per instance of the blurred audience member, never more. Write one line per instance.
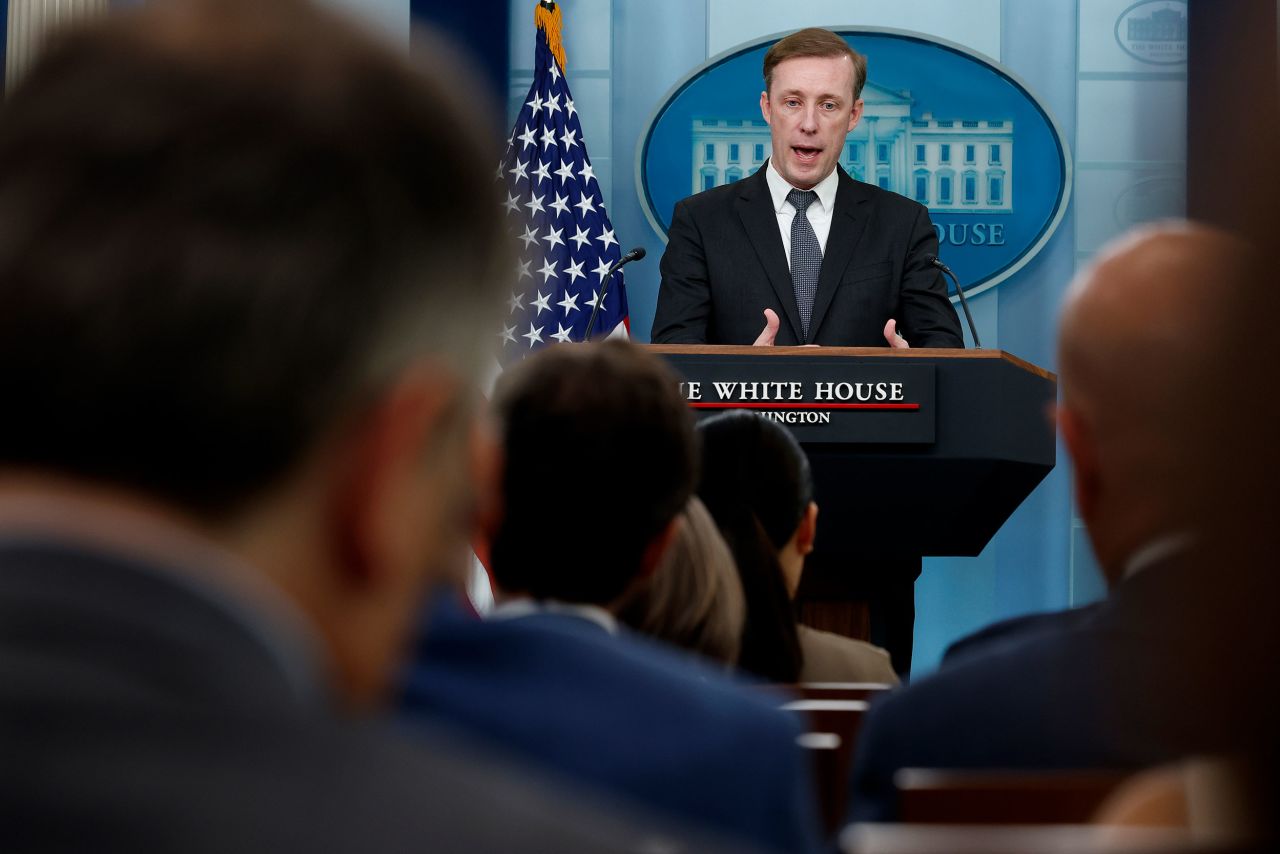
(756, 483)
(694, 598)
(1220, 800)
(549, 675)
(1153, 348)
(244, 255)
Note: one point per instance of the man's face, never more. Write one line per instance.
(810, 109)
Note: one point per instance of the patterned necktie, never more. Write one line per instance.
(806, 256)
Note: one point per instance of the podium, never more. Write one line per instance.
(921, 452)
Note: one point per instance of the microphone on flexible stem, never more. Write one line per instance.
(634, 255)
(937, 262)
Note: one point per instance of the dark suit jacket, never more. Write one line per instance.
(1011, 631)
(622, 714)
(725, 263)
(139, 714)
(1143, 677)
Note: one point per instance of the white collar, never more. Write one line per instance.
(1154, 551)
(523, 607)
(779, 188)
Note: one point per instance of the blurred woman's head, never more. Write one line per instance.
(755, 480)
(694, 598)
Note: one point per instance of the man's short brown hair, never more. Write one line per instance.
(577, 522)
(224, 226)
(815, 42)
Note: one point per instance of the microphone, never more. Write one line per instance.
(937, 262)
(634, 255)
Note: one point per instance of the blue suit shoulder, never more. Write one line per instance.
(719, 198)
(1034, 702)
(622, 714)
(1013, 629)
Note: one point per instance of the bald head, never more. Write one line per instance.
(1147, 343)
(1151, 314)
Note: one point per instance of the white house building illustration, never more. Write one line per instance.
(1162, 25)
(951, 166)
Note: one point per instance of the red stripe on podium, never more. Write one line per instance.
(700, 405)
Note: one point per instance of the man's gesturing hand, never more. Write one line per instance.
(770, 330)
(891, 335)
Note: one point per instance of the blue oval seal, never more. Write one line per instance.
(941, 124)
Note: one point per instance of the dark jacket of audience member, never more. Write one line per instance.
(549, 675)
(755, 481)
(693, 599)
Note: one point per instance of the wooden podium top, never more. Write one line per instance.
(864, 352)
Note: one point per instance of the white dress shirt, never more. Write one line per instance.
(819, 211)
(1157, 550)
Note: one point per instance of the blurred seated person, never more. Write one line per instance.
(1224, 799)
(1154, 372)
(237, 342)
(756, 482)
(549, 675)
(693, 599)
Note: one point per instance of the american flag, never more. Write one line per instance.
(555, 209)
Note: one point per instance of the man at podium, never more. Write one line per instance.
(801, 253)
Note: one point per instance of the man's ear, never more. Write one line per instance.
(377, 485)
(764, 106)
(487, 472)
(657, 548)
(855, 115)
(1078, 438)
(807, 531)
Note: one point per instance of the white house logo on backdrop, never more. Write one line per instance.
(947, 165)
(1151, 198)
(1154, 31)
(941, 124)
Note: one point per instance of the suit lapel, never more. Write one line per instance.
(755, 208)
(847, 223)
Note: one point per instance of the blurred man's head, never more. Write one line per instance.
(244, 255)
(1151, 412)
(600, 458)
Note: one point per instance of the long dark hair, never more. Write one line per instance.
(755, 481)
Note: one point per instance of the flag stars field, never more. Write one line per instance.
(548, 271)
(553, 238)
(569, 303)
(557, 216)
